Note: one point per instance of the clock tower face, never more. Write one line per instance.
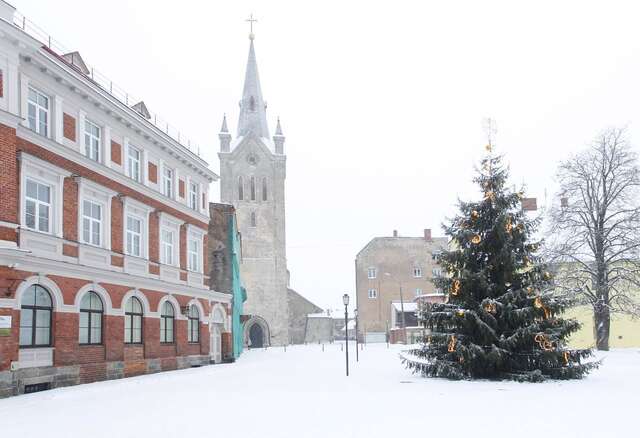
(252, 159)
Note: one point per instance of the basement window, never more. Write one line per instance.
(37, 387)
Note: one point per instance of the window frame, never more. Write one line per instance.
(94, 141)
(264, 189)
(139, 235)
(133, 314)
(38, 108)
(419, 291)
(240, 188)
(137, 161)
(193, 325)
(34, 320)
(38, 204)
(252, 188)
(92, 222)
(164, 318)
(417, 272)
(190, 253)
(372, 273)
(167, 181)
(193, 195)
(90, 317)
(164, 245)
(372, 294)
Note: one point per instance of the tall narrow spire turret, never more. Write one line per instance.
(224, 136)
(278, 139)
(253, 109)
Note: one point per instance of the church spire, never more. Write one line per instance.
(253, 109)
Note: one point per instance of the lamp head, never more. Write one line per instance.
(345, 299)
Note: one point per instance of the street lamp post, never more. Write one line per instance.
(355, 315)
(345, 300)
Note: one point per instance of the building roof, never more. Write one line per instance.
(408, 307)
(378, 242)
(253, 109)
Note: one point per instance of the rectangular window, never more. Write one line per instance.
(167, 182)
(166, 242)
(92, 223)
(133, 164)
(417, 272)
(194, 255)
(193, 196)
(134, 236)
(418, 292)
(372, 273)
(437, 272)
(38, 112)
(92, 140)
(38, 206)
(373, 294)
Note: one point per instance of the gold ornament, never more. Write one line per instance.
(490, 308)
(507, 284)
(488, 147)
(452, 344)
(565, 356)
(474, 215)
(529, 290)
(537, 303)
(490, 195)
(546, 276)
(476, 239)
(460, 313)
(508, 225)
(455, 290)
(544, 342)
(520, 227)
(520, 195)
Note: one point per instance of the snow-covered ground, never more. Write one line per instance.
(303, 392)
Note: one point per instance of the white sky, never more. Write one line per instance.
(381, 102)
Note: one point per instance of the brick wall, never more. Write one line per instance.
(8, 175)
(183, 247)
(154, 236)
(153, 173)
(9, 344)
(69, 127)
(116, 225)
(70, 210)
(116, 152)
(181, 188)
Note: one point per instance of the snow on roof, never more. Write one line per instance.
(408, 307)
(318, 315)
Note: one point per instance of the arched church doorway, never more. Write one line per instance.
(256, 336)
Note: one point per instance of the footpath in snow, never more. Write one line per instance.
(303, 392)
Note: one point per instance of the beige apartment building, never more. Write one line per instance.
(392, 274)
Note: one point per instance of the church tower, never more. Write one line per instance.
(252, 174)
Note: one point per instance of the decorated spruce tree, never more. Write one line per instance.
(501, 319)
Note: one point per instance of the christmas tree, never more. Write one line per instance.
(502, 318)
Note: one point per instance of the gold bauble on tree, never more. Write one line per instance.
(476, 239)
(474, 215)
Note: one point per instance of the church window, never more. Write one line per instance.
(253, 219)
(264, 189)
(252, 104)
(253, 188)
(240, 189)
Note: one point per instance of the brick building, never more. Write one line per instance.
(103, 228)
(393, 276)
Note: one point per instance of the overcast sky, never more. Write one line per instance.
(381, 102)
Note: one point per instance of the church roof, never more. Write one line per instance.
(253, 109)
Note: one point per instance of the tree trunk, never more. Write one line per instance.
(602, 320)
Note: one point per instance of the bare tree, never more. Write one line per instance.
(595, 229)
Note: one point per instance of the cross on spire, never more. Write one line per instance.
(251, 20)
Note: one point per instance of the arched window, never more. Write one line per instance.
(240, 189)
(264, 189)
(133, 321)
(35, 317)
(194, 325)
(91, 311)
(253, 219)
(167, 323)
(253, 188)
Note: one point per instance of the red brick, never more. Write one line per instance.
(153, 173)
(70, 250)
(116, 225)
(154, 236)
(69, 127)
(9, 175)
(181, 188)
(10, 234)
(116, 152)
(117, 260)
(70, 210)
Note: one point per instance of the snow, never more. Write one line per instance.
(303, 392)
(408, 307)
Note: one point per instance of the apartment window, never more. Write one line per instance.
(240, 189)
(133, 321)
(92, 140)
(264, 189)
(254, 222)
(35, 317)
(134, 236)
(167, 243)
(193, 195)
(253, 188)
(194, 255)
(91, 311)
(167, 181)
(417, 272)
(373, 294)
(38, 206)
(194, 325)
(92, 223)
(437, 272)
(167, 320)
(372, 273)
(38, 112)
(418, 292)
(133, 163)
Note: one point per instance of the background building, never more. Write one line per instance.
(103, 225)
(392, 273)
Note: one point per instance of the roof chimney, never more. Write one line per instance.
(395, 233)
(427, 234)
